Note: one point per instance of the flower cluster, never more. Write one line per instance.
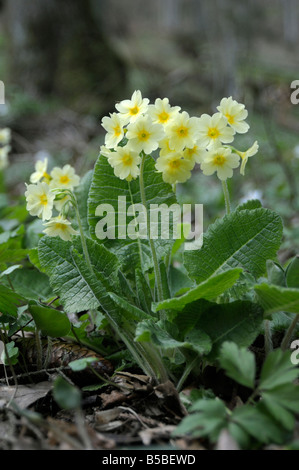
(5, 137)
(49, 192)
(181, 141)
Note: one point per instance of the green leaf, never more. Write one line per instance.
(292, 273)
(156, 333)
(277, 370)
(143, 291)
(276, 274)
(73, 282)
(132, 310)
(256, 421)
(238, 321)
(252, 204)
(276, 299)
(34, 259)
(10, 270)
(106, 188)
(245, 239)
(82, 192)
(66, 395)
(11, 249)
(178, 280)
(9, 301)
(209, 290)
(81, 364)
(238, 363)
(207, 419)
(32, 284)
(198, 341)
(51, 322)
(13, 353)
(276, 409)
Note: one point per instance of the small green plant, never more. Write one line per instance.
(174, 308)
(268, 415)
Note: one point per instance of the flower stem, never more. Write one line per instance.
(287, 338)
(151, 242)
(226, 196)
(82, 236)
(268, 337)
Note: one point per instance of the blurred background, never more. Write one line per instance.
(66, 63)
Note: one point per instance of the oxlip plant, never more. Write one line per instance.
(176, 311)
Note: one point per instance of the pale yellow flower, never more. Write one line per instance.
(40, 200)
(59, 227)
(235, 113)
(132, 109)
(164, 147)
(174, 168)
(105, 151)
(64, 178)
(196, 154)
(59, 203)
(213, 130)
(245, 155)
(161, 112)
(40, 171)
(144, 135)
(125, 162)
(182, 131)
(114, 127)
(5, 136)
(221, 160)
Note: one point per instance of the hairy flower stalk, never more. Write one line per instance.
(151, 242)
(226, 197)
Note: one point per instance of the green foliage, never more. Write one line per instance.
(240, 239)
(9, 301)
(239, 363)
(276, 299)
(12, 352)
(238, 321)
(50, 321)
(81, 364)
(292, 273)
(209, 289)
(106, 188)
(270, 419)
(67, 396)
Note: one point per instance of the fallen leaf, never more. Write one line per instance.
(25, 395)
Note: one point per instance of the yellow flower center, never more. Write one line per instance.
(43, 199)
(64, 179)
(163, 117)
(133, 111)
(182, 131)
(213, 133)
(143, 135)
(219, 160)
(46, 176)
(174, 164)
(127, 159)
(117, 130)
(60, 226)
(230, 118)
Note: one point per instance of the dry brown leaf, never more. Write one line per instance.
(25, 395)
